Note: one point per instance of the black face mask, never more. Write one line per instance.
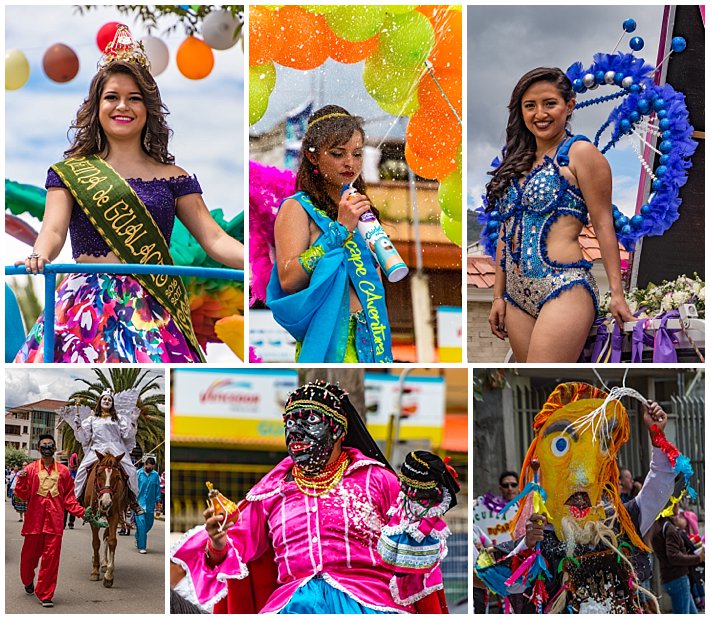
(309, 439)
(47, 450)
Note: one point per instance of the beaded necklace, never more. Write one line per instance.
(325, 481)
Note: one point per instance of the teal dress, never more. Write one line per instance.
(318, 316)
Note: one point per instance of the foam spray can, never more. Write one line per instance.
(379, 243)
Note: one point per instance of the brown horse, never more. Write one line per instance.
(106, 494)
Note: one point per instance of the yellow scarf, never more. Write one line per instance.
(48, 483)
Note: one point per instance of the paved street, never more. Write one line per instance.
(139, 581)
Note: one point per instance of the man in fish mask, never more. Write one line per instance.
(48, 488)
(320, 511)
(577, 547)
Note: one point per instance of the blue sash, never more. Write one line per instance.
(319, 316)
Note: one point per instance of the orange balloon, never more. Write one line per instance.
(430, 95)
(305, 39)
(265, 38)
(430, 168)
(432, 136)
(432, 11)
(348, 52)
(447, 52)
(194, 58)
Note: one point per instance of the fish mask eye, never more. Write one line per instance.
(560, 445)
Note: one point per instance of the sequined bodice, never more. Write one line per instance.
(159, 196)
(528, 210)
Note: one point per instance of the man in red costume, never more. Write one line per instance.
(48, 488)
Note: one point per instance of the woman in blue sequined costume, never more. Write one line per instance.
(548, 186)
(325, 288)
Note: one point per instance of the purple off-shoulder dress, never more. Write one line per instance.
(111, 318)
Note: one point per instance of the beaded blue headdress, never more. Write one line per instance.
(648, 113)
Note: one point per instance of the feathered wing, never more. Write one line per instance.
(125, 404)
(74, 415)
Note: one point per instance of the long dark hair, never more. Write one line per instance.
(89, 138)
(520, 144)
(335, 130)
(98, 411)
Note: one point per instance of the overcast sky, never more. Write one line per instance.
(24, 385)
(504, 42)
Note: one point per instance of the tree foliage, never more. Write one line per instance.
(15, 456)
(150, 436)
(189, 17)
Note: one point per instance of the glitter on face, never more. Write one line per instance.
(309, 439)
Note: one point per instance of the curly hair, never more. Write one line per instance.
(89, 137)
(97, 408)
(520, 144)
(335, 130)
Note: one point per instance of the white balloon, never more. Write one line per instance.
(218, 29)
(158, 54)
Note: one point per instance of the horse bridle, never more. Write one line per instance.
(99, 490)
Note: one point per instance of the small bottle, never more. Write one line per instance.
(379, 243)
(222, 506)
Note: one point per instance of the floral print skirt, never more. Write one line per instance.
(103, 318)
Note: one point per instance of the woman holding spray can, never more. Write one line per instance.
(325, 288)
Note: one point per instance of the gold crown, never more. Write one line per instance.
(124, 48)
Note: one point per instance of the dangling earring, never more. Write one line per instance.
(99, 142)
(146, 140)
(315, 171)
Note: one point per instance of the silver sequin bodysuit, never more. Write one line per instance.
(528, 210)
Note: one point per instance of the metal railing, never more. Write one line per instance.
(51, 271)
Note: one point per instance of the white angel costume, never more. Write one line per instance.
(104, 435)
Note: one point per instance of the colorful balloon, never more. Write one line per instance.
(356, 22)
(348, 52)
(430, 135)
(450, 195)
(60, 63)
(158, 54)
(106, 34)
(261, 85)
(305, 39)
(399, 9)
(447, 52)
(386, 82)
(430, 92)
(265, 38)
(452, 228)
(405, 107)
(17, 69)
(195, 59)
(434, 168)
(220, 29)
(407, 39)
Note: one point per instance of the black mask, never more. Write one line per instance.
(47, 450)
(309, 439)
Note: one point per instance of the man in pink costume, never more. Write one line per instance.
(48, 488)
(321, 510)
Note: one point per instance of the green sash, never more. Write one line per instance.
(123, 221)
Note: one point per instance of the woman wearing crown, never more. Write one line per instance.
(118, 193)
(109, 428)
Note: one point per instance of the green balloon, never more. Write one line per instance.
(388, 83)
(265, 73)
(407, 39)
(404, 107)
(452, 228)
(320, 9)
(258, 99)
(450, 195)
(399, 9)
(356, 23)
